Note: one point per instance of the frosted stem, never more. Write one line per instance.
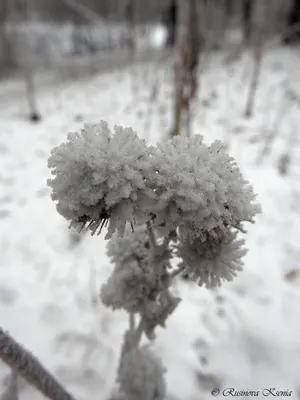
(131, 322)
(151, 235)
(28, 366)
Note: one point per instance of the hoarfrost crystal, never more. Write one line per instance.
(199, 188)
(141, 375)
(214, 260)
(137, 278)
(103, 177)
(99, 177)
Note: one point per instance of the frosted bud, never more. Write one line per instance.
(99, 177)
(199, 188)
(214, 260)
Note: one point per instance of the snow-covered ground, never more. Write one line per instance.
(244, 335)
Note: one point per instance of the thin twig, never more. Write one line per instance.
(29, 367)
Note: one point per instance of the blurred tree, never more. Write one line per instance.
(259, 26)
(130, 16)
(247, 19)
(293, 22)
(186, 76)
(229, 7)
(104, 7)
(6, 59)
(28, 64)
(170, 21)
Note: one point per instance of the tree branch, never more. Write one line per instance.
(28, 366)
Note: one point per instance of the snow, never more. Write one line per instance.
(247, 332)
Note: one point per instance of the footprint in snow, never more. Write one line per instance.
(4, 214)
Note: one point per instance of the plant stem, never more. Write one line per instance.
(29, 367)
(139, 331)
(151, 235)
(131, 322)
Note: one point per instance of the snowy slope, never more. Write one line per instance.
(247, 333)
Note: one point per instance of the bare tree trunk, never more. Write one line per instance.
(31, 94)
(5, 45)
(259, 31)
(170, 19)
(186, 71)
(131, 24)
(28, 68)
(293, 20)
(179, 68)
(248, 19)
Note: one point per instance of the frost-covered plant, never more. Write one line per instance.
(199, 189)
(140, 280)
(141, 375)
(180, 198)
(100, 177)
(208, 262)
